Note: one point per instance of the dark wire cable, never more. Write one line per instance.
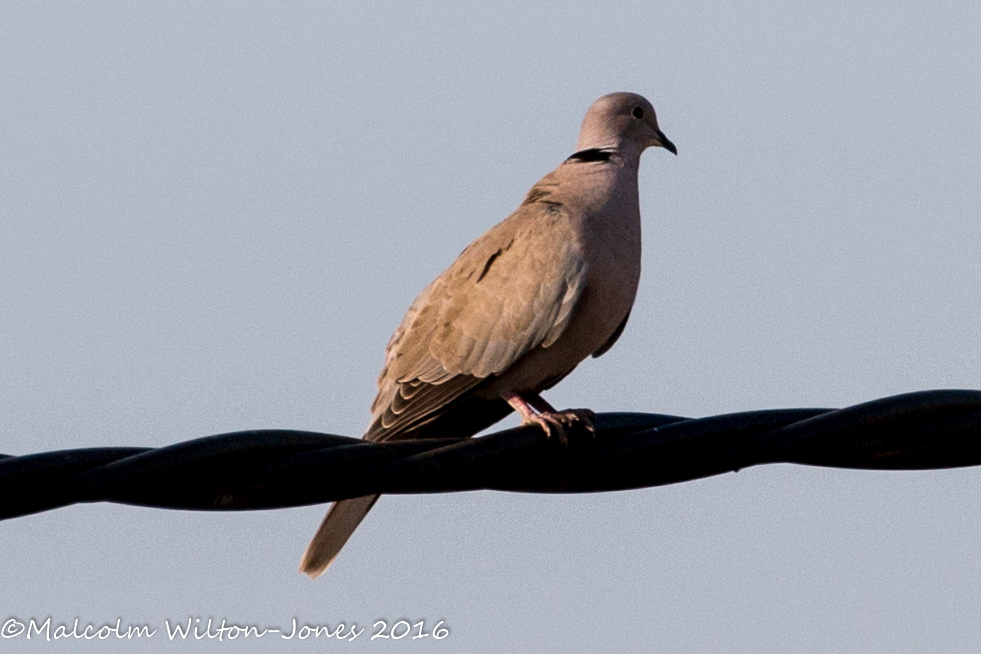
(269, 469)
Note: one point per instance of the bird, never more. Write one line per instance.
(524, 304)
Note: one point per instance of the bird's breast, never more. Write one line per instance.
(614, 256)
(612, 249)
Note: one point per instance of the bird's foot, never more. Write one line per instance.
(560, 425)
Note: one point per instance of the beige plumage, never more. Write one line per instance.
(520, 307)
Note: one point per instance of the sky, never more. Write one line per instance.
(213, 215)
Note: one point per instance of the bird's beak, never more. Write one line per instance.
(662, 141)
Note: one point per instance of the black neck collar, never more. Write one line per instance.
(590, 155)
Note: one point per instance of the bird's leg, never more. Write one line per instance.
(557, 424)
(540, 404)
(569, 417)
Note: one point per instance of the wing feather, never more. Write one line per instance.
(512, 290)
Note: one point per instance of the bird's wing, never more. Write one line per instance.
(512, 290)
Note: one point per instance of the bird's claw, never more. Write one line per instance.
(559, 425)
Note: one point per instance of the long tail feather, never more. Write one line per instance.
(338, 525)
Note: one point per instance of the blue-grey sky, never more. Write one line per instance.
(213, 215)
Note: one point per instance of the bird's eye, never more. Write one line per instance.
(638, 112)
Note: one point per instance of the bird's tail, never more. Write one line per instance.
(338, 525)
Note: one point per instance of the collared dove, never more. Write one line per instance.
(520, 307)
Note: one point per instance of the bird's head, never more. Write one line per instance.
(621, 119)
